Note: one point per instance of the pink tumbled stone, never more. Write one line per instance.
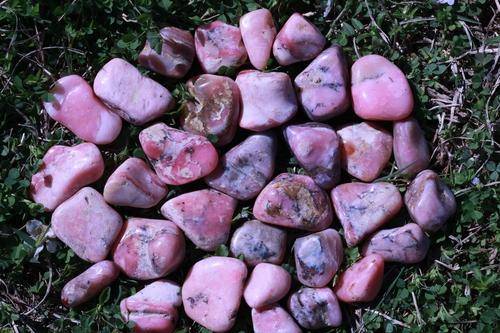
(410, 148)
(266, 285)
(258, 32)
(380, 90)
(273, 319)
(315, 308)
(212, 292)
(178, 157)
(65, 170)
(87, 224)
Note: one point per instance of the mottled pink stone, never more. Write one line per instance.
(266, 285)
(429, 201)
(212, 292)
(273, 319)
(380, 90)
(218, 45)
(258, 32)
(134, 97)
(366, 150)
(324, 87)
(410, 148)
(149, 249)
(178, 157)
(77, 107)
(268, 99)
(363, 208)
(315, 308)
(65, 170)
(87, 224)
(205, 216)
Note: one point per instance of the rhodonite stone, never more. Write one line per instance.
(75, 106)
(294, 201)
(212, 292)
(87, 224)
(178, 157)
(362, 281)
(65, 170)
(244, 170)
(379, 89)
(317, 149)
(134, 97)
(429, 201)
(410, 148)
(323, 87)
(366, 150)
(149, 249)
(219, 45)
(268, 99)
(258, 32)
(266, 285)
(134, 184)
(176, 54)
(205, 216)
(407, 244)
(315, 308)
(363, 208)
(215, 108)
(318, 257)
(298, 40)
(273, 319)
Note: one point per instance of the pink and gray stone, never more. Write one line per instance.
(258, 32)
(315, 308)
(244, 170)
(268, 99)
(430, 201)
(410, 148)
(65, 170)
(149, 249)
(294, 201)
(298, 40)
(205, 216)
(87, 224)
(266, 285)
(273, 319)
(380, 90)
(134, 97)
(212, 292)
(76, 107)
(366, 150)
(363, 208)
(324, 87)
(178, 157)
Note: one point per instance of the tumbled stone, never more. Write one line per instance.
(178, 157)
(89, 283)
(258, 32)
(323, 87)
(149, 249)
(380, 90)
(244, 170)
(205, 216)
(315, 308)
(65, 170)
(410, 148)
(212, 292)
(317, 149)
(214, 110)
(266, 285)
(268, 99)
(134, 97)
(362, 281)
(273, 319)
(363, 208)
(294, 201)
(87, 224)
(366, 150)
(429, 201)
(134, 184)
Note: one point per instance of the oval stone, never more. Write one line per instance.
(410, 148)
(266, 285)
(315, 308)
(258, 32)
(273, 319)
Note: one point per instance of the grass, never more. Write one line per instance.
(450, 55)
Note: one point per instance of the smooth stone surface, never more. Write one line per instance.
(178, 157)
(315, 308)
(324, 87)
(273, 319)
(205, 216)
(245, 169)
(430, 201)
(266, 285)
(294, 201)
(87, 224)
(410, 148)
(134, 97)
(268, 99)
(76, 107)
(212, 292)
(380, 90)
(258, 32)
(366, 150)
(65, 170)
(364, 208)
(149, 249)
